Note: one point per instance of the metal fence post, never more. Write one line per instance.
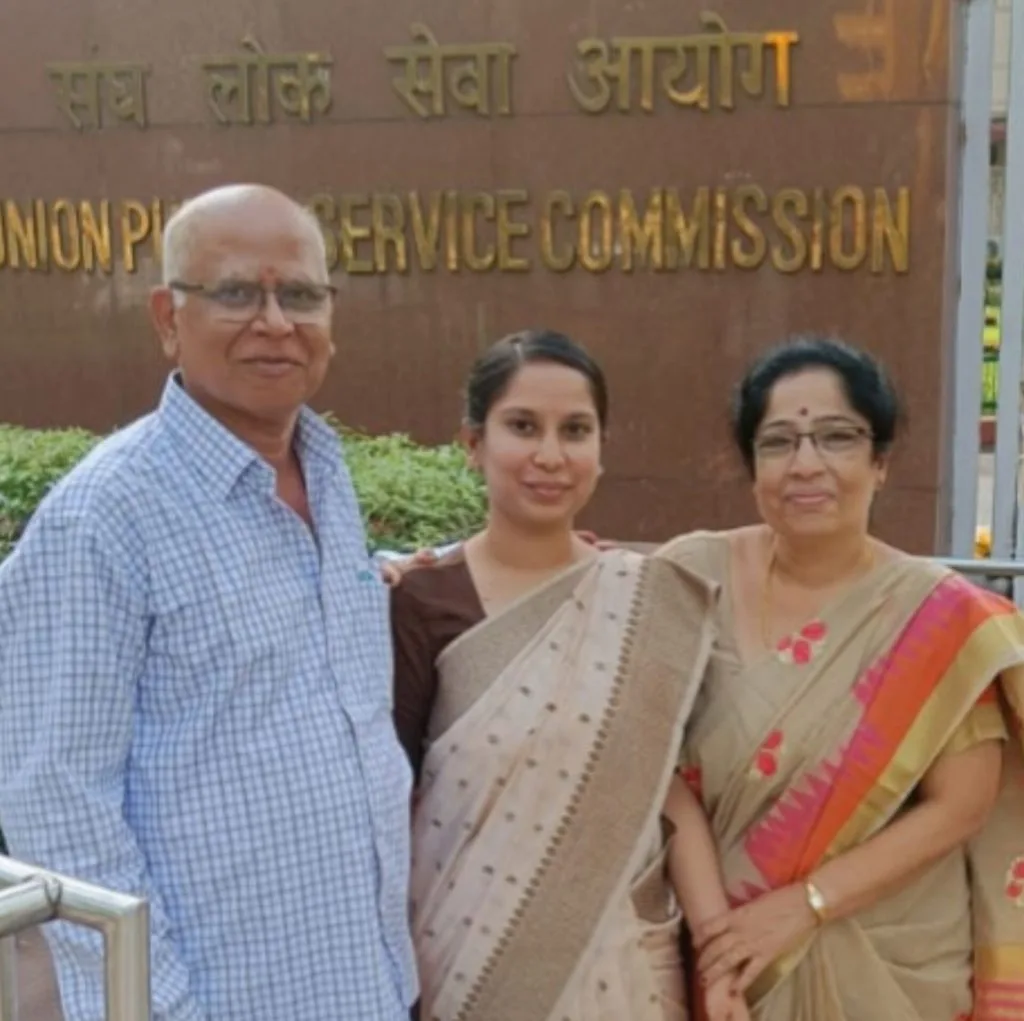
(34, 896)
(966, 372)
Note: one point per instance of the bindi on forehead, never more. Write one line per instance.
(804, 412)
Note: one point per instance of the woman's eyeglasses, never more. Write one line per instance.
(827, 440)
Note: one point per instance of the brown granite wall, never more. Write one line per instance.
(779, 214)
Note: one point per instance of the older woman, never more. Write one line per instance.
(850, 740)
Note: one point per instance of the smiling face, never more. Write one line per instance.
(822, 486)
(261, 366)
(539, 449)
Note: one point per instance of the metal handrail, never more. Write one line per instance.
(997, 575)
(30, 896)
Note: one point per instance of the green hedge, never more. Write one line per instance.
(411, 495)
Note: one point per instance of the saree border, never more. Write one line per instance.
(595, 851)
(969, 638)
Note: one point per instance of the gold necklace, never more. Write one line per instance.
(766, 592)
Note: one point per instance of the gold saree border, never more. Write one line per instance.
(621, 791)
(981, 659)
(1001, 960)
(993, 647)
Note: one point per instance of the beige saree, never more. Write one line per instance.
(538, 878)
(814, 748)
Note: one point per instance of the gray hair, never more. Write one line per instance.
(179, 233)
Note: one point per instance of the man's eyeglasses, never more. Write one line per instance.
(244, 300)
(827, 440)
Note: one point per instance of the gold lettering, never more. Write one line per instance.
(469, 81)
(561, 200)
(596, 247)
(426, 231)
(416, 83)
(246, 88)
(743, 256)
(821, 215)
(509, 230)
(842, 256)
(126, 84)
(604, 64)
(422, 83)
(65, 237)
(643, 242)
(752, 78)
(157, 216)
(451, 231)
(789, 202)
(21, 237)
(602, 70)
(136, 225)
(96, 247)
(302, 84)
(890, 231)
(476, 205)
(325, 209)
(653, 230)
(690, 235)
(716, 39)
(82, 87)
(388, 224)
(721, 224)
(42, 234)
(352, 233)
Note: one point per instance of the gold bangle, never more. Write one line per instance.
(816, 902)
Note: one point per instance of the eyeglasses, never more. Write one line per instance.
(827, 440)
(243, 300)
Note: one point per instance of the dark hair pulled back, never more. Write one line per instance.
(864, 380)
(494, 370)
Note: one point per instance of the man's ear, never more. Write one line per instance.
(164, 313)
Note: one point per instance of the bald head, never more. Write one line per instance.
(228, 206)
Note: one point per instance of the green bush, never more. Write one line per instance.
(411, 495)
(31, 461)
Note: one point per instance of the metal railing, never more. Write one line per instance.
(30, 896)
(998, 575)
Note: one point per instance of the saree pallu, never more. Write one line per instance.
(838, 727)
(538, 880)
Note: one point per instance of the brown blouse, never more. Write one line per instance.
(430, 608)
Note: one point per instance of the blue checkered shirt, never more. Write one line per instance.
(195, 706)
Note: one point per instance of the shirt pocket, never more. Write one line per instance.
(216, 627)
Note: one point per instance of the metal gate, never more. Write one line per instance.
(30, 896)
(982, 32)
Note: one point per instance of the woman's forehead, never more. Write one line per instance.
(816, 393)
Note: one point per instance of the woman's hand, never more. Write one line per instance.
(747, 939)
(722, 1003)
(592, 539)
(393, 571)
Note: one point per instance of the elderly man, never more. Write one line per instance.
(195, 664)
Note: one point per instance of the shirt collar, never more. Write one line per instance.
(220, 456)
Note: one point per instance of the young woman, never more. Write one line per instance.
(541, 692)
